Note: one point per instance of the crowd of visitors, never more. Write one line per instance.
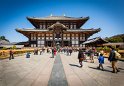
(83, 55)
(91, 52)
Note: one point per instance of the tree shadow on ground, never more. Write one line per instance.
(99, 69)
(74, 65)
(118, 67)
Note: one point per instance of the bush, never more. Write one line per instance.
(4, 48)
(14, 47)
(106, 49)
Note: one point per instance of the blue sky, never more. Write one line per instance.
(105, 14)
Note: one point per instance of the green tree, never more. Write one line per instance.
(2, 37)
(14, 47)
(4, 48)
(117, 39)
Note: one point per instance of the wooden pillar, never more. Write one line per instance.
(79, 40)
(36, 39)
(53, 38)
(86, 36)
(46, 43)
(29, 40)
(62, 39)
(69, 25)
(45, 25)
(70, 39)
(44, 39)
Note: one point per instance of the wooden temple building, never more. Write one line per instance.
(95, 42)
(53, 30)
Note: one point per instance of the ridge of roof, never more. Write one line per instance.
(94, 39)
(57, 18)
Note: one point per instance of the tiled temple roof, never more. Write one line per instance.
(58, 18)
(94, 40)
(58, 24)
(73, 30)
(27, 32)
(70, 30)
(34, 30)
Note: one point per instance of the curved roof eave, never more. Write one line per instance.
(57, 18)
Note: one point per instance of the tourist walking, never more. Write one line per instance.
(67, 50)
(81, 56)
(101, 61)
(55, 51)
(70, 51)
(11, 55)
(28, 55)
(113, 60)
(35, 51)
(41, 51)
(91, 54)
(52, 52)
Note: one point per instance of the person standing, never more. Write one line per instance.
(11, 55)
(70, 51)
(55, 51)
(41, 51)
(91, 54)
(28, 55)
(81, 56)
(52, 52)
(101, 61)
(113, 60)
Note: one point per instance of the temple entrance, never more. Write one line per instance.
(58, 43)
(66, 43)
(49, 43)
(58, 29)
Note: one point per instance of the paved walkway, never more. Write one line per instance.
(58, 77)
(38, 70)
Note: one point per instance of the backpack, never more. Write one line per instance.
(117, 55)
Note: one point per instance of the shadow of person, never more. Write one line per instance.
(74, 65)
(118, 68)
(51, 57)
(99, 69)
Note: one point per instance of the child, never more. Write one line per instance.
(28, 55)
(101, 61)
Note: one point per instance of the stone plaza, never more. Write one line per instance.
(62, 70)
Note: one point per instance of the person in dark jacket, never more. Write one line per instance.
(113, 60)
(70, 51)
(52, 52)
(11, 55)
(28, 55)
(81, 56)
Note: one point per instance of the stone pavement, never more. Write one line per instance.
(58, 77)
(37, 71)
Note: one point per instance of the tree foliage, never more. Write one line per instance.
(14, 47)
(4, 48)
(116, 38)
(3, 38)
